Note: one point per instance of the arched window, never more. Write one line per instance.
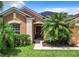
(16, 27)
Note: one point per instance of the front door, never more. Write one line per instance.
(38, 32)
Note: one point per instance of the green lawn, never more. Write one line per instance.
(29, 52)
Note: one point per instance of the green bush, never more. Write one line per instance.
(22, 40)
(6, 36)
(56, 28)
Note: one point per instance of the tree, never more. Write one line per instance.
(57, 27)
(6, 33)
(6, 36)
(1, 5)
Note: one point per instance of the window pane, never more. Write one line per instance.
(16, 27)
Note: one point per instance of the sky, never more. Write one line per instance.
(71, 7)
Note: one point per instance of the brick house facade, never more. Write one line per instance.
(25, 20)
(29, 22)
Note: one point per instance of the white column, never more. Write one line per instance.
(29, 27)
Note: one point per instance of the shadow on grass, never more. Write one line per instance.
(9, 52)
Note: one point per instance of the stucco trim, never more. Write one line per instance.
(14, 21)
(38, 23)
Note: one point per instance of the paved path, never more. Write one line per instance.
(39, 46)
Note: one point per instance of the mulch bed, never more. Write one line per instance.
(57, 45)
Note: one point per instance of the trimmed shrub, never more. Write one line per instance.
(22, 40)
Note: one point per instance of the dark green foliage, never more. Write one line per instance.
(6, 36)
(57, 28)
(22, 40)
(1, 5)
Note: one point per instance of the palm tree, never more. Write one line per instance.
(57, 27)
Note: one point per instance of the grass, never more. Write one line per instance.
(29, 52)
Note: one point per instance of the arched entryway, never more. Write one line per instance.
(37, 32)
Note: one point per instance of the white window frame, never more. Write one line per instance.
(16, 27)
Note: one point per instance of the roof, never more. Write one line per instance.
(12, 9)
(31, 12)
(75, 16)
(21, 10)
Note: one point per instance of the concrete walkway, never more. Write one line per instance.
(39, 46)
